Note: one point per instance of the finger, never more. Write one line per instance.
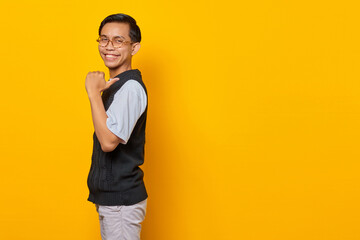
(111, 82)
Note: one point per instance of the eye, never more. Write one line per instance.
(118, 40)
(103, 39)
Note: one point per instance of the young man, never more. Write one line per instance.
(115, 180)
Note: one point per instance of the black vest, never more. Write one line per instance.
(115, 177)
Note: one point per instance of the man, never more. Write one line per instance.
(115, 180)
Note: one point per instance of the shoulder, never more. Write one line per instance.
(131, 91)
(132, 86)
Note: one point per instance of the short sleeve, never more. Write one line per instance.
(128, 105)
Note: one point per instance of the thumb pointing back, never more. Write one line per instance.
(109, 83)
(112, 81)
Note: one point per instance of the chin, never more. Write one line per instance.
(112, 65)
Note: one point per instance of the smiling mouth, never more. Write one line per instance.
(111, 56)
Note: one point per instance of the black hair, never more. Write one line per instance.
(134, 33)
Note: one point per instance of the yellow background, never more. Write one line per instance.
(253, 119)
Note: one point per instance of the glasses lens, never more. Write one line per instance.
(103, 41)
(118, 42)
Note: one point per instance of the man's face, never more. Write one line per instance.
(115, 58)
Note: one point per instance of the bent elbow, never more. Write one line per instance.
(107, 147)
(110, 146)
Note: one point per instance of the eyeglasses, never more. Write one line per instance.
(117, 42)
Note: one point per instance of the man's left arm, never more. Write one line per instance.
(95, 83)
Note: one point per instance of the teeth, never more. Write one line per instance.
(110, 56)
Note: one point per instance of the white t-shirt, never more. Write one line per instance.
(129, 103)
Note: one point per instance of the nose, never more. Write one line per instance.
(109, 45)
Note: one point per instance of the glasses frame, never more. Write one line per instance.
(109, 40)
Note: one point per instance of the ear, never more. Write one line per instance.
(135, 48)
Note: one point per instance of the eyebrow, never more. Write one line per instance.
(114, 36)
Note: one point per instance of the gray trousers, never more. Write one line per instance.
(121, 222)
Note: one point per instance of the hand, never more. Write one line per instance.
(95, 82)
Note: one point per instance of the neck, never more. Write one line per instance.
(117, 71)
